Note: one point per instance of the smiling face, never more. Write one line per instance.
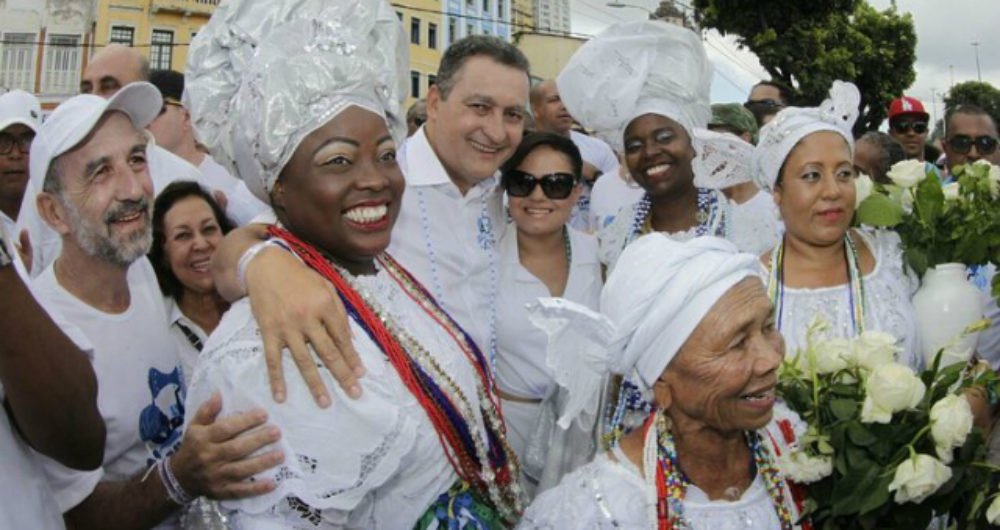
(104, 203)
(724, 376)
(816, 192)
(480, 123)
(190, 234)
(658, 153)
(536, 214)
(342, 188)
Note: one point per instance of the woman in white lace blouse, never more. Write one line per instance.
(853, 278)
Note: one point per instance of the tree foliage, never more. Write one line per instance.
(810, 43)
(983, 95)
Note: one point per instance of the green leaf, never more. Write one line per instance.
(929, 202)
(860, 435)
(879, 494)
(879, 210)
(843, 409)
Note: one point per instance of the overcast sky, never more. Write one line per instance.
(946, 30)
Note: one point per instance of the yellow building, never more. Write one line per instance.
(161, 29)
(422, 23)
(522, 16)
(547, 53)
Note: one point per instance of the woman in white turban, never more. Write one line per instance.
(644, 87)
(302, 99)
(853, 278)
(692, 323)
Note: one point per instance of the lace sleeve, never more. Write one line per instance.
(613, 237)
(334, 457)
(755, 226)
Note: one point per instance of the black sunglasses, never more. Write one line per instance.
(903, 127)
(554, 185)
(962, 144)
(763, 104)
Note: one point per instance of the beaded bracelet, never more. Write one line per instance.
(174, 489)
(250, 254)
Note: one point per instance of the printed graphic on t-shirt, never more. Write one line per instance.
(161, 422)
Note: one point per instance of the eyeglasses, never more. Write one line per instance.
(418, 121)
(962, 144)
(554, 185)
(903, 127)
(764, 104)
(23, 141)
(170, 102)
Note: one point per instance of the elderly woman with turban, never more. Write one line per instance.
(692, 323)
(302, 99)
(852, 278)
(644, 87)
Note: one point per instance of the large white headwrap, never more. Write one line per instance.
(777, 139)
(262, 75)
(653, 301)
(636, 68)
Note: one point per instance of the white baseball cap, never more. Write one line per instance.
(18, 106)
(73, 120)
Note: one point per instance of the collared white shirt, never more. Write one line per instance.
(448, 241)
(186, 334)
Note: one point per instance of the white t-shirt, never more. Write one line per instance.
(140, 384)
(611, 193)
(164, 168)
(241, 205)
(26, 500)
(448, 241)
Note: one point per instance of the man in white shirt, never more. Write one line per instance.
(598, 157)
(89, 160)
(49, 397)
(173, 132)
(20, 116)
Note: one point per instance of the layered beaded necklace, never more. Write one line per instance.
(489, 466)
(669, 484)
(711, 216)
(855, 284)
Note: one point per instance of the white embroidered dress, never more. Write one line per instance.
(611, 493)
(888, 289)
(374, 462)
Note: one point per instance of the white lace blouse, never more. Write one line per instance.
(888, 289)
(374, 462)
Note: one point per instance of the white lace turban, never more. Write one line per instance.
(777, 139)
(262, 75)
(636, 68)
(657, 295)
(722, 160)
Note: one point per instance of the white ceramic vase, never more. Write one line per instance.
(947, 303)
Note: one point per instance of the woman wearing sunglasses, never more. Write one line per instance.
(543, 257)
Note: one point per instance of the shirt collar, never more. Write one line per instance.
(422, 167)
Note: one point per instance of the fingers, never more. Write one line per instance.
(208, 411)
(229, 428)
(336, 322)
(244, 469)
(272, 356)
(310, 372)
(242, 490)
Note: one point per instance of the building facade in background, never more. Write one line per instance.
(476, 17)
(552, 16)
(424, 25)
(522, 16)
(161, 29)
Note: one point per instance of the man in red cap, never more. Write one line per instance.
(908, 124)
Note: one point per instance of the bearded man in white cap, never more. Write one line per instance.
(89, 159)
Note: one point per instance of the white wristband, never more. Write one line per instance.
(250, 254)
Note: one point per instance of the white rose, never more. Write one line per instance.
(993, 512)
(918, 478)
(951, 423)
(863, 187)
(875, 348)
(951, 191)
(890, 388)
(907, 173)
(831, 355)
(805, 469)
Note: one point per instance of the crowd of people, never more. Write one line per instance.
(262, 293)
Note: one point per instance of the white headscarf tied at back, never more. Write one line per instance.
(777, 139)
(653, 301)
(262, 75)
(636, 68)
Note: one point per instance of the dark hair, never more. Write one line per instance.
(969, 110)
(890, 151)
(787, 93)
(171, 195)
(461, 50)
(534, 140)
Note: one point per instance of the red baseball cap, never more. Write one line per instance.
(907, 105)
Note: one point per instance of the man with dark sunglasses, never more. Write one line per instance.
(20, 116)
(908, 124)
(767, 98)
(970, 135)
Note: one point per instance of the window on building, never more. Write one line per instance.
(469, 30)
(161, 50)
(414, 84)
(122, 35)
(470, 3)
(414, 30)
(17, 61)
(452, 30)
(400, 15)
(500, 10)
(432, 35)
(486, 6)
(62, 65)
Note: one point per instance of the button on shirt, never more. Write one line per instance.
(447, 240)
